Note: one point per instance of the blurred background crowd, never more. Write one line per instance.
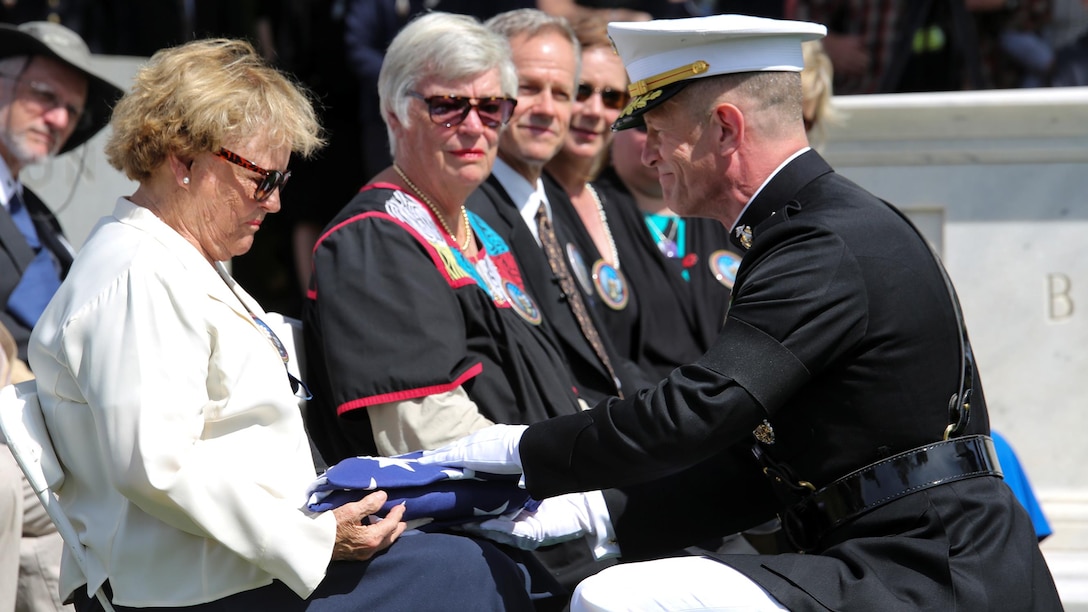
(335, 48)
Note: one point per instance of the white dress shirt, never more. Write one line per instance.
(186, 461)
(525, 195)
(8, 185)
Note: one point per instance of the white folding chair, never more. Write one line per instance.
(24, 429)
(289, 332)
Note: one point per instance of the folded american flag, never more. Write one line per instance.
(448, 496)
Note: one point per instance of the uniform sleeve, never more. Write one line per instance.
(390, 325)
(798, 306)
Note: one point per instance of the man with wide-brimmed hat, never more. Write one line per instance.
(51, 101)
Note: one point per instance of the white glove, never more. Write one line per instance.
(556, 520)
(492, 449)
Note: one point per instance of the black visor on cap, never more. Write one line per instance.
(631, 117)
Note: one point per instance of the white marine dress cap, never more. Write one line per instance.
(664, 55)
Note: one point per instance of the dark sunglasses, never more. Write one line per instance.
(614, 99)
(273, 179)
(453, 110)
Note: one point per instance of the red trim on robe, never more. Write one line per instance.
(439, 264)
(400, 396)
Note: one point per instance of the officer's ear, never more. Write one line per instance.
(728, 128)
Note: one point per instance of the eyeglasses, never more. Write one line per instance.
(453, 110)
(273, 179)
(46, 99)
(614, 99)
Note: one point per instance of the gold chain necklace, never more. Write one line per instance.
(434, 209)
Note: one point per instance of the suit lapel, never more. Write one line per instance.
(13, 242)
(536, 271)
(49, 231)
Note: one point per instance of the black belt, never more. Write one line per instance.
(809, 520)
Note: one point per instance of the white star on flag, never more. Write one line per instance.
(388, 461)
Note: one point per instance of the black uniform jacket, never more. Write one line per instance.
(494, 205)
(843, 336)
(667, 320)
(16, 255)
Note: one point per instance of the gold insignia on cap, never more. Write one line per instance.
(675, 75)
(744, 234)
(640, 102)
(764, 432)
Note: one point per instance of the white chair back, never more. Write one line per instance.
(289, 332)
(24, 429)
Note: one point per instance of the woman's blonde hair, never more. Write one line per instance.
(816, 90)
(199, 96)
(591, 31)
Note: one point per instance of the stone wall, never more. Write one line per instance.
(998, 181)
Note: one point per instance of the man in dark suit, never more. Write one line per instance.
(841, 394)
(546, 52)
(50, 102)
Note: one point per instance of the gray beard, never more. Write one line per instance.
(16, 147)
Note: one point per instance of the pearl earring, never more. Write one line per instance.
(185, 180)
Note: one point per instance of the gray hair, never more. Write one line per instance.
(444, 45)
(775, 97)
(533, 22)
(202, 95)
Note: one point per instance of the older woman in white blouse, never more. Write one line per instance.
(168, 399)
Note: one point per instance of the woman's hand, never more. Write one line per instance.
(356, 538)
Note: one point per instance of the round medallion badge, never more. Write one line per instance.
(523, 304)
(723, 265)
(611, 285)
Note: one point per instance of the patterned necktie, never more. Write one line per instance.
(570, 291)
(40, 280)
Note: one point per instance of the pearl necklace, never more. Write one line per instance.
(604, 223)
(434, 209)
